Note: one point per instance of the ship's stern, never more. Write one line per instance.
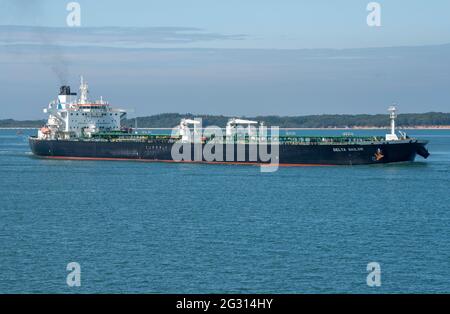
(39, 147)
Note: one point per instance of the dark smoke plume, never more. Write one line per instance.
(51, 53)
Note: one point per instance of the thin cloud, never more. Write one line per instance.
(110, 36)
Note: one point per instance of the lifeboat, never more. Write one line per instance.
(45, 130)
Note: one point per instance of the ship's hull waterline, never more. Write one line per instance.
(289, 155)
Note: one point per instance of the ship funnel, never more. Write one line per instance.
(65, 90)
(65, 96)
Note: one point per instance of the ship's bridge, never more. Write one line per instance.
(69, 117)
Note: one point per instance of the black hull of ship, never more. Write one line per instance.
(336, 154)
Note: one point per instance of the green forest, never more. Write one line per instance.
(168, 120)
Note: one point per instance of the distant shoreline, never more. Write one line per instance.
(407, 121)
(443, 127)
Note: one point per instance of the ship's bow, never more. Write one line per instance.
(421, 149)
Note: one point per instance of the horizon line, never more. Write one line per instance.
(250, 116)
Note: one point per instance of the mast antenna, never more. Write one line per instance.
(392, 115)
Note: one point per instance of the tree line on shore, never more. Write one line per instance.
(168, 120)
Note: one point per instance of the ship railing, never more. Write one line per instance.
(297, 140)
(282, 139)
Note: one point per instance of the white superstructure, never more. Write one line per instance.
(185, 132)
(232, 125)
(71, 117)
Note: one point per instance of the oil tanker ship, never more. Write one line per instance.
(78, 128)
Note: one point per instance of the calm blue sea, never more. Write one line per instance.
(171, 228)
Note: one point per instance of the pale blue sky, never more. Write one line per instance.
(287, 57)
(267, 23)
